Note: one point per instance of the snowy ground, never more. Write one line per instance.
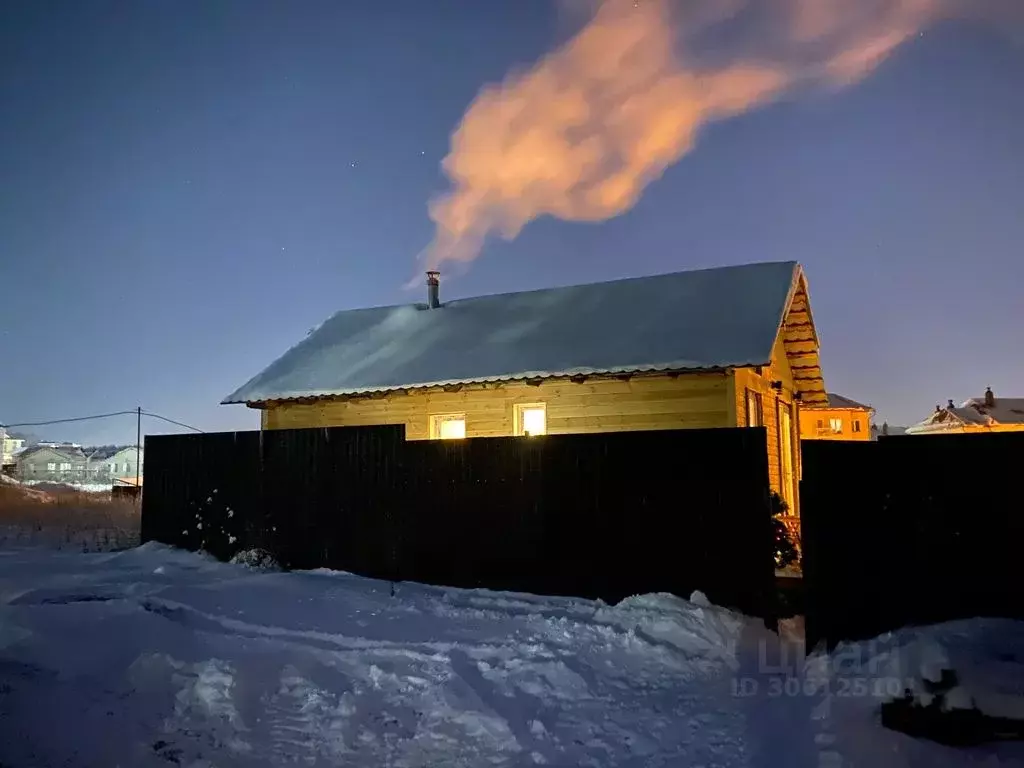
(81, 487)
(155, 657)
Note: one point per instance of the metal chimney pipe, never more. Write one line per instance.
(433, 288)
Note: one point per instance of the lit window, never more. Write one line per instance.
(448, 426)
(65, 467)
(531, 419)
(856, 425)
(837, 425)
(51, 467)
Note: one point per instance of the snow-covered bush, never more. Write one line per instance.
(256, 558)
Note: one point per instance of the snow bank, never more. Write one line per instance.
(154, 656)
(81, 487)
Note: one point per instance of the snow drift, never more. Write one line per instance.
(153, 656)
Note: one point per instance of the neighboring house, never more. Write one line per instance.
(63, 463)
(839, 419)
(52, 463)
(979, 415)
(122, 464)
(10, 446)
(726, 347)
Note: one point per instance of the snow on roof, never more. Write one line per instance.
(704, 319)
(68, 451)
(1005, 410)
(974, 412)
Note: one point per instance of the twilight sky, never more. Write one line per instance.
(186, 188)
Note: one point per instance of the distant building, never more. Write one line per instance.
(10, 446)
(70, 463)
(839, 419)
(120, 465)
(53, 463)
(980, 415)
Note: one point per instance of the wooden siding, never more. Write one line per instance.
(749, 380)
(692, 401)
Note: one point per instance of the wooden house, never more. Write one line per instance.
(725, 347)
(838, 419)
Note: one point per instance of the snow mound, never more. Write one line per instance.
(697, 629)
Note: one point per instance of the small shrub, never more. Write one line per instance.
(785, 551)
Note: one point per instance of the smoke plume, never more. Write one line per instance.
(580, 134)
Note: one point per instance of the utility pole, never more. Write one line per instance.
(138, 451)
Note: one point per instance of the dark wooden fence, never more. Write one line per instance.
(911, 530)
(597, 515)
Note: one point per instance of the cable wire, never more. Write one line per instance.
(68, 421)
(172, 421)
(136, 412)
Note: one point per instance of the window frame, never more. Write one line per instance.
(755, 397)
(520, 408)
(437, 419)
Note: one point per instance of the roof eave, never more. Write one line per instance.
(651, 370)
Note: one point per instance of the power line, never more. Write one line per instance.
(171, 421)
(100, 416)
(68, 421)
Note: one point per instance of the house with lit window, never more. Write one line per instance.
(840, 418)
(725, 347)
(977, 416)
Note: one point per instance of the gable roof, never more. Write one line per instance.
(70, 453)
(974, 413)
(684, 321)
(839, 401)
(108, 452)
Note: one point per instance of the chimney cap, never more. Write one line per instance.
(433, 289)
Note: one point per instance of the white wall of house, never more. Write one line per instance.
(9, 447)
(123, 463)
